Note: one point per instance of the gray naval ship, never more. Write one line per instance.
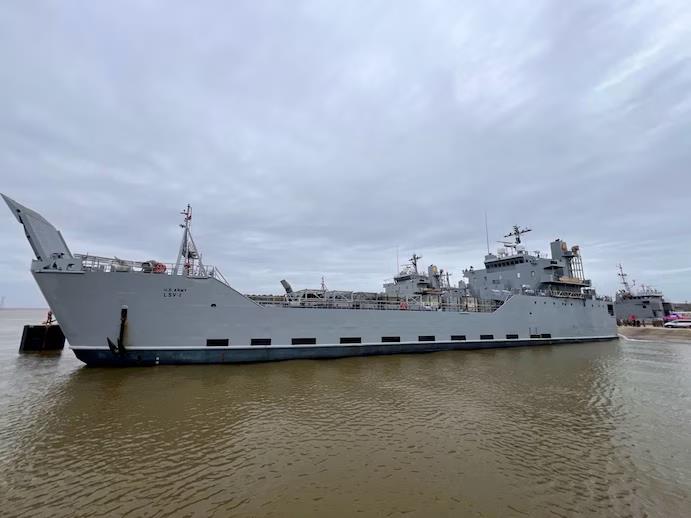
(639, 303)
(119, 312)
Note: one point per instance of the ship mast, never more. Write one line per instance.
(188, 252)
(413, 261)
(623, 277)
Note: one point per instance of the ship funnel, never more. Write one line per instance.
(286, 285)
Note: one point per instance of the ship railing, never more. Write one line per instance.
(564, 294)
(470, 305)
(114, 264)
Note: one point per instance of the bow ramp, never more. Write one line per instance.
(44, 238)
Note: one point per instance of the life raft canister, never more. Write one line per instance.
(404, 304)
(159, 268)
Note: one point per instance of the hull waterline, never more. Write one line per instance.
(148, 357)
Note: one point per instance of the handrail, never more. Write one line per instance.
(467, 306)
(115, 264)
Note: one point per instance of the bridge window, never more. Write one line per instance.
(457, 338)
(260, 341)
(511, 337)
(545, 335)
(351, 340)
(390, 338)
(486, 337)
(426, 338)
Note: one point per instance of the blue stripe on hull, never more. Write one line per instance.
(104, 357)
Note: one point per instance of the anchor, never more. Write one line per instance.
(119, 349)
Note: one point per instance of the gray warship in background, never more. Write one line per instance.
(117, 312)
(639, 303)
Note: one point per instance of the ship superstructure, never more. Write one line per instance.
(513, 269)
(432, 290)
(117, 312)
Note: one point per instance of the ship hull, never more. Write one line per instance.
(172, 319)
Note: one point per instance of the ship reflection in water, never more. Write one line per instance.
(588, 429)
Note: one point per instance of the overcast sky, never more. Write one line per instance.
(315, 138)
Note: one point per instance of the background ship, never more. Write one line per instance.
(116, 312)
(639, 303)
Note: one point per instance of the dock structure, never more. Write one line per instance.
(46, 336)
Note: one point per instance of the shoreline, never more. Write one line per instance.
(655, 333)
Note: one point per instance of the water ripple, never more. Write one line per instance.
(583, 430)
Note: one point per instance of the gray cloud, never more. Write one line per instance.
(314, 138)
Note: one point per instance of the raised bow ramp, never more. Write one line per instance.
(45, 240)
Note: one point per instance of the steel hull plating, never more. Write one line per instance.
(163, 329)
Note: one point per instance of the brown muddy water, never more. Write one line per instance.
(601, 429)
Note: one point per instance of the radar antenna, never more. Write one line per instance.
(517, 233)
(508, 244)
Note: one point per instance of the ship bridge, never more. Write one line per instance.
(515, 270)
